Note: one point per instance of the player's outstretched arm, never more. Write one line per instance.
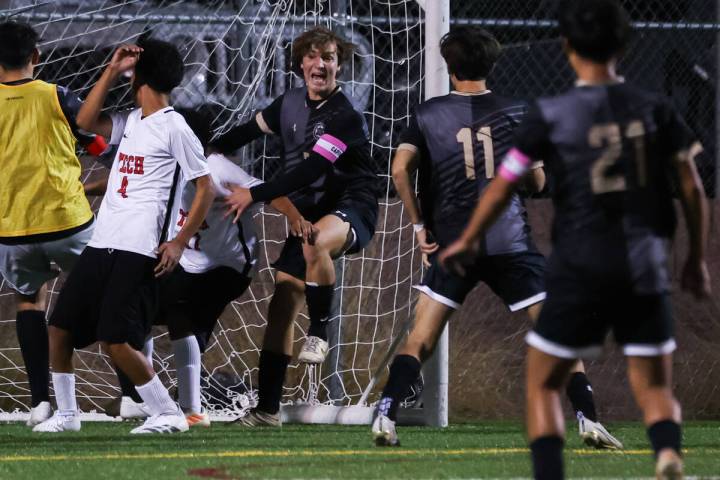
(695, 276)
(170, 252)
(405, 163)
(492, 203)
(240, 135)
(90, 115)
(299, 227)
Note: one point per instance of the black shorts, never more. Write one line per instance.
(517, 278)
(576, 318)
(109, 296)
(198, 299)
(362, 219)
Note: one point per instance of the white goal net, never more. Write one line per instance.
(237, 54)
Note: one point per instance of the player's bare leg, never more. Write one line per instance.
(580, 393)
(651, 382)
(32, 335)
(545, 377)
(330, 241)
(285, 305)
(430, 319)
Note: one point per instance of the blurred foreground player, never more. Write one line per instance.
(614, 151)
(457, 142)
(44, 216)
(110, 294)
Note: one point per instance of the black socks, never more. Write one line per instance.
(580, 394)
(547, 458)
(270, 380)
(32, 336)
(319, 302)
(404, 370)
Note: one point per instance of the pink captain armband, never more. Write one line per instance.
(329, 147)
(515, 165)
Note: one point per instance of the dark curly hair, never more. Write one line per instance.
(160, 66)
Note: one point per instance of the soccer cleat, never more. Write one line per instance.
(595, 435)
(669, 466)
(60, 422)
(258, 418)
(313, 351)
(39, 414)
(201, 419)
(164, 423)
(130, 409)
(383, 432)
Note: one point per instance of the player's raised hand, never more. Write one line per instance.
(696, 278)
(458, 255)
(125, 58)
(237, 201)
(300, 227)
(169, 254)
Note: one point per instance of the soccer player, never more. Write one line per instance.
(111, 291)
(456, 142)
(332, 181)
(44, 216)
(613, 150)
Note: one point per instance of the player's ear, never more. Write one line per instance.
(566, 46)
(35, 57)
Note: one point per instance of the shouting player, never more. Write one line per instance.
(331, 179)
(613, 150)
(111, 291)
(456, 142)
(44, 216)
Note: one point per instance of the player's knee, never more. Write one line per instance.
(316, 252)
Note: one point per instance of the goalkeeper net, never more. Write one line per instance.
(238, 60)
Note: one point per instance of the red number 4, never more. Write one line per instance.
(123, 187)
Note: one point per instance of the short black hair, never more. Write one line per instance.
(18, 41)
(160, 66)
(470, 52)
(596, 29)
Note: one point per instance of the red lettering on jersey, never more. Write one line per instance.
(122, 158)
(123, 187)
(183, 216)
(139, 165)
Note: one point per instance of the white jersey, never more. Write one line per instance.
(134, 207)
(219, 241)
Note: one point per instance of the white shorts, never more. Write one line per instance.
(26, 267)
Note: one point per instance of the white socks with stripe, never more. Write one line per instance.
(64, 384)
(156, 397)
(188, 364)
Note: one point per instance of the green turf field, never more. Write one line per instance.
(487, 450)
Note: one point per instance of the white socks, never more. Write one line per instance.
(188, 364)
(156, 397)
(64, 384)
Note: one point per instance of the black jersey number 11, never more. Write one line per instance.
(609, 136)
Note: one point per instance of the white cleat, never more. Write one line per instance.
(669, 466)
(60, 422)
(258, 418)
(165, 423)
(313, 351)
(383, 432)
(39, 414)
(201, 419)
(595, 435)
(131, 410)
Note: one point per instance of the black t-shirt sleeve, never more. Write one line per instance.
(532, 136)
(412, 135)
(271, 114)
(70, 105)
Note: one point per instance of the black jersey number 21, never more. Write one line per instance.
(608, 135)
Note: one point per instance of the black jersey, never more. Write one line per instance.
(301, 123)
(609, 149)
(462, 138)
